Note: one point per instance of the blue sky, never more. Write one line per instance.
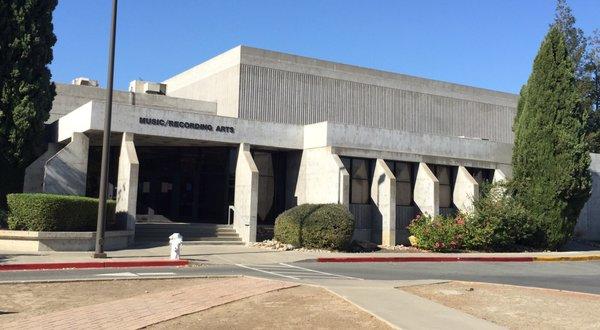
(489, 44)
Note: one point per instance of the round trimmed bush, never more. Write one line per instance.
(319, 226)
(288, 225)
(48, 212)
(330, 226)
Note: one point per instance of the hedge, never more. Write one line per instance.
(47, 212)
(321, 226)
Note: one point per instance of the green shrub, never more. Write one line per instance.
(498, 222)
(322, 226)
(439, 233)
(46, 212)
(288, 225)
(330, 226)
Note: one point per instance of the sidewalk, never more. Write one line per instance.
(141, 311)
(235, 254)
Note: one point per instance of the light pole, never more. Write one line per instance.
(99, 251)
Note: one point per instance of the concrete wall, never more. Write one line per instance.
(34, 173)
(427, 191)
(71, 97)
(246, 195)
(127, 182)
(383, 194)
(322, 178)
(588, 225)
(216, 80)
(66, 171)
(466, 190)
(299, 90)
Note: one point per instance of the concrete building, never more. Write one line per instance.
(255, 132)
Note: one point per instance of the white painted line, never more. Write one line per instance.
(325, 273)
(266, 272)
(127, 274)
(157, 274)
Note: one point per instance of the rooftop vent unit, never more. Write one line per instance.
(148, 87)
(84, 81)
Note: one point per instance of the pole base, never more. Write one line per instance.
(99, 255)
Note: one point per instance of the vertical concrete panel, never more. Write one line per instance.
(466, 190)
(65, 173)
(322, 178)
(427, 191)
(127, 181)
(246, 195)
(34, 173)
(383, 194)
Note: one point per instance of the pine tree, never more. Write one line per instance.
(26, 93)
(550, 156)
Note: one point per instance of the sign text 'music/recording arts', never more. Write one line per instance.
(185, 124)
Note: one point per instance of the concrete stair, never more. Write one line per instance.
(193, 233)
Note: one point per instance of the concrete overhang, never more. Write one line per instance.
(370, 142)
(177, 124)
(156, 126)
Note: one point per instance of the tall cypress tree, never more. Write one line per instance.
(550, 156)
(26, 92)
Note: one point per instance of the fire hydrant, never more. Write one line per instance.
(175, 242)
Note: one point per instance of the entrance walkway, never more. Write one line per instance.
(141, 311)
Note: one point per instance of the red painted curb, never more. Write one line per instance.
(94, 264)
(427, 259)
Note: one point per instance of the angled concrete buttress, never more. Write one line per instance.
(66, 172)
(246, 195)
(33, 182)
(466, 190)
(383, 194)
(427, 191)
(127, 181)
(322, 178)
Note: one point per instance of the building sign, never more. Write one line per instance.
(185, 125)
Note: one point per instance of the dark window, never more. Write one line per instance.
(360, 174)
(481, 175)
(404, 173)
(445, 177)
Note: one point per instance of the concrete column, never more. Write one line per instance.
(427, 191)
(322, 178)
(383, 194)
(33, 182)
(66, 172)
(499, 176)
(127, 182)
(466, 190)
(246, 195)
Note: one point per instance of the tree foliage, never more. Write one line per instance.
(26, 93)
(550, 156)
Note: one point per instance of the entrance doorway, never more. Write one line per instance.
(186, 184)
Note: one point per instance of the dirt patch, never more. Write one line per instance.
(303, 307)
(22, 300)
(516, 307)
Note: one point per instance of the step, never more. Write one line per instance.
(192, 238)
(161, 243)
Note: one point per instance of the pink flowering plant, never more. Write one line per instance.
(439, 233)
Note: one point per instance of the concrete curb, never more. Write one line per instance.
(94, 264)
(462, 259)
